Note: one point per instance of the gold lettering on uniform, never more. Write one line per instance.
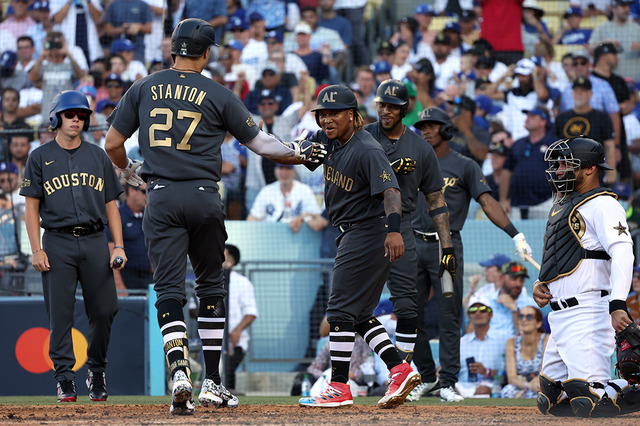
(74, 179)
(192, 94)
(449, 182)
(338, 179)
(178, 92)
(390, 90)
(160, 90)
(186, 89)
(154, 95)
(200, 97)
(56, 183)
(47, 187)
(167, 93)
(328, 97)
(65, 180)
(100, 185)
(84, 178)
(92, 180)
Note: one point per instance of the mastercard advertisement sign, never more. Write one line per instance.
(24, 348)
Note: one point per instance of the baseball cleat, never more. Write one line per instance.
(67, 391)
(97, 385)
(212, 395)
(182, 395)
(336, 395)
(449, 394)
(423, 389)
(402, 380)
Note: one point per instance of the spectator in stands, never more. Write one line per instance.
(285, 200)
(130, 19)
(19, 22)
(153, 40)
(497, 156)
(570, 31)
(19, 147)
(137, 273)
(293, 63)
(44, 24)
(533, 28)
(117, 65)
(323, 36)
(382, 71)
(501, 27)
(317, 62)
(623, 33)
(97, 119)
(26, 51)
(330, 19)
(253, 51)
(134, 69)
(59, 71)
(353, 10)
(452, 29)
(78, 21)
(492, 276)
(10, 183)
(407, 34)
(8, 238)
(469, 139)
(424, 14)
(469, 32)
(276, 12)
(401, 65)
(386, 52)
(633, 300)
(481, 353)
(524, 191)
(425, 82)
(11, 119)
(366, 84)
(445, 65)
(231, 178)
(11, 76)
(554, 72)
(509, 298)
(287, 80)
(115, 90)
(523, 355)
(270, 81)
(594, 7)
(415, 107)
(212, 11)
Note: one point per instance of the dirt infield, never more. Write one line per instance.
(284, 415)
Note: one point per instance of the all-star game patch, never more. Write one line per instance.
(250, 122)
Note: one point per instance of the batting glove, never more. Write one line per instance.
(129, 173)
(522, 247)
(312, 152)
(403, 166)
(448, 262)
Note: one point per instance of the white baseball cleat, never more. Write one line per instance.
(182, 395)
(449, 394)
(212, 395)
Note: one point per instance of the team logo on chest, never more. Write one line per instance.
(449, 182)
(577, 224)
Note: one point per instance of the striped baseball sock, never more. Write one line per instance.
(174, 335)
(406, 334)
(342, 337)
(211, 320)
(377, 338)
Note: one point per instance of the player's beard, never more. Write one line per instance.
(393, 126)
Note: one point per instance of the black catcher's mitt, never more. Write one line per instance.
(628, 353)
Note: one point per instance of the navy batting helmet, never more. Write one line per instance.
(436, 115)
(69, 99)
(393, 92)
(335, 97)
(191, 38)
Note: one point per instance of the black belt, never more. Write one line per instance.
(344, 227)
(78, 231)
(571, 302)
(433, 236)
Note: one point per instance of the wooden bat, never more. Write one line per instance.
(529, 259)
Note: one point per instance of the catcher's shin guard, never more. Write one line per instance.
(586, 403)
(628, 399)
(550, 398)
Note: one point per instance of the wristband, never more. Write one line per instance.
(439, 210)
(120, 247)
(511, 230)
(393, 222)
(35, 251)
(616, 305)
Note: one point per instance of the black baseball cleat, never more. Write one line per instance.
(97, 385)
(67, 391)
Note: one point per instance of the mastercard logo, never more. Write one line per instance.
(32, 350)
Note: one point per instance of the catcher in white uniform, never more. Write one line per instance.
(585, 274)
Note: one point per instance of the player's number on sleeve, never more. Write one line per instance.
(194, 116)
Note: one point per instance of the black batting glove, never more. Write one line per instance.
(403, 166)
(448, 262)
(312, 152)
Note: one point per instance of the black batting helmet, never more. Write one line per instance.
(393, 92)
(436, 115)
(335, 97)
(191, 38)
(69, 99)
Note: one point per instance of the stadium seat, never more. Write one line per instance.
(561, 49)
(592, 22)
(554, 8)
(553, 23)
(438, 23)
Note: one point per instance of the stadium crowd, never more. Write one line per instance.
(513, 75)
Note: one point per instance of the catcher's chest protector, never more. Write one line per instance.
(563, 251)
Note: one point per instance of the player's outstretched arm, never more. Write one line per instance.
(496, 214)
(393, 244)
(296, 152)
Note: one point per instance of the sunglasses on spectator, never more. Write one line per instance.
(272, 42)
(113, 84)
(580, 63)
(475, 309)
(528, 317)
(516, 268)
(269, 102)
(82, 115)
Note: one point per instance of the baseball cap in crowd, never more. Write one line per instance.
(452, 26)
(636, 269)
(424, 9)
(514, 269)
(236, 22)
(533, 5)
(39, 5)
(284, 166)
(122, 45)
(385, 307)
(581, 53)
(442, 38)
(8, 167)
(464, 102)
(498, 147)
(411, 87)
(622, 190)
(485, 61)
(424, 66)
(235, 44)
(622, 2)
(256, 16)
(468, 15)
(303, 28)
(271, 66)
(572, 11)
(101, 105)
(8, 59)
(538, 111)
(276, 35)
(582, 82)
(524, 67)
(485, 102)
(113, 77)
(381, 67)
(267, 94)
(386, 46)
(603, 49)
(216, 68)
(497, 260)
(88, 91)
(479, 304)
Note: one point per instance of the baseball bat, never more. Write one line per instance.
(529, 259)
(447, 284)
(117, 262)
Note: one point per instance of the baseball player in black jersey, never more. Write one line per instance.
(363, 202)
(463, 179)
(416, 167)
(183, 118)
(71, 186)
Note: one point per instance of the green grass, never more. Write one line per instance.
(258, 400)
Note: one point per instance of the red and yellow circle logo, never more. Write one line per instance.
(32, 350)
